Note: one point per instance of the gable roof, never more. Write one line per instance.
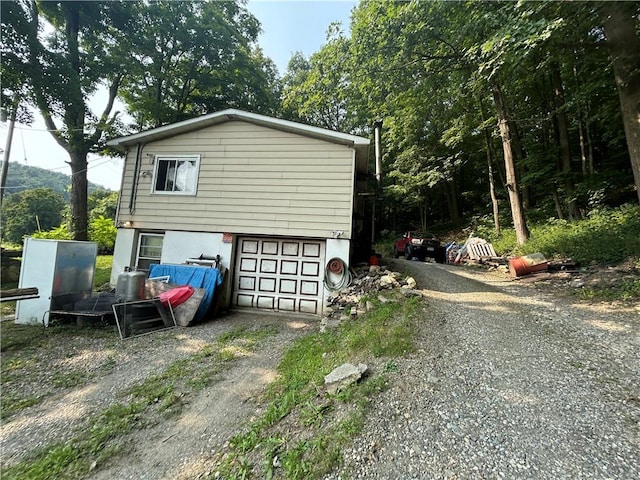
(360, 144)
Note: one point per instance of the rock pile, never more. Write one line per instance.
(367, 281)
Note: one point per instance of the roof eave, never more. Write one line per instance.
(204, 121)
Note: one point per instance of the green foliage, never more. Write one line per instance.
(607, 236)
(102, 203)
(32, 210)
(103, 232)
(57, 233)
(625, 290)
(202, 62)
(102, 274)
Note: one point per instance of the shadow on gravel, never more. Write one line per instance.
(433, 276)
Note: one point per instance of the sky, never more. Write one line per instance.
(288, 27)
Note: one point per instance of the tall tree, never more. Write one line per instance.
(191, 58)
(621, 23)
(62, 68)
(316, 91)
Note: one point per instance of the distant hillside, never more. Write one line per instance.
(23, 177)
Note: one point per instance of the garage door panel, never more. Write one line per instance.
(311, 250)
(287, 304)
(267, 285)
(310, 269)
(266, 302)
(290, 248)
(279, 274)
(288, 267)
(249, 246)
(288, 286)
(308, 288)
(269, 248)
(308, 306)
(248, 265)
(247, 283)
(268, 266)
(243, 300)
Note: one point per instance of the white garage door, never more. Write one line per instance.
(279, 274)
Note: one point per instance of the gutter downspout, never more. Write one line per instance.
(134, 183)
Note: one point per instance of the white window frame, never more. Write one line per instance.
(178, 159)
(141, 235)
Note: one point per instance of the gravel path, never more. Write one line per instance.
(507, 383)
(176, 448)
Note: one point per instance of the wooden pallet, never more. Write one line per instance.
(478, 248)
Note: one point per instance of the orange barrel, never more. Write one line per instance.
(534, 262)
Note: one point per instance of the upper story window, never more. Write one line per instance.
(176, 174)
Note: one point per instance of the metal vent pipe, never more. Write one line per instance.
(377, 125)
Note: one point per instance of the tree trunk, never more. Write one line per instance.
(517, 212)
(492, 185)
(79, 213)
(564, 151)
(556, 202)
(624, 46)
(452, 201)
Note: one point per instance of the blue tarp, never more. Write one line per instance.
(198, 277)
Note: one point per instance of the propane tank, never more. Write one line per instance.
(130, 285)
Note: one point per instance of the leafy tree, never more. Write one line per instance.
(191, 58)
(103, 203)
(450, 79)
(316, 91)
(62, 68)
(30, 211)
(103, 232)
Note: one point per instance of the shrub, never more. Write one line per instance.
(103, 232)
(58, 233)
(606, 236)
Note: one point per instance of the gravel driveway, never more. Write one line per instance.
(507, 383)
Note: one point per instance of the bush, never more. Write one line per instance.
(101, 230)
(58, 233)
(606, 236)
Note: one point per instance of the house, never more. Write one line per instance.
(276, 199)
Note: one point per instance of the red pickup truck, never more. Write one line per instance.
(421, 245)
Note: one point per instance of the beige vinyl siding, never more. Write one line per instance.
(253, 180)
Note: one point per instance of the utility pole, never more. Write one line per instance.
(7, 149)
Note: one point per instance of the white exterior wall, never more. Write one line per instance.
(338, 247)
(178, 246)
(123, 253)
(335, 248)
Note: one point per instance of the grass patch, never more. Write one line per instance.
(303, 429)
(22, 361)
(143, 405)
(103, 270)
(626, 291)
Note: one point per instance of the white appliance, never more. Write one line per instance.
(62, 270)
